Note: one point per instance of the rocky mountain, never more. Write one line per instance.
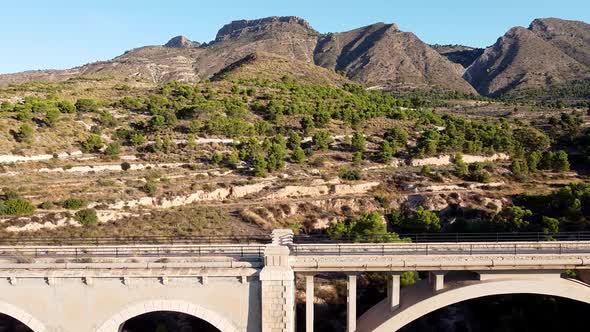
(550, 52)
(463, 55)
(382, 55)
(378, 55)
(571, 37)
(181, 42)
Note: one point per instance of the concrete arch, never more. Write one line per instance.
(115, 322)
(22, 316)
(418, 304)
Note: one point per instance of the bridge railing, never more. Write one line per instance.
(136, 240)
(145, 251)
(448, 237)
(470, 249)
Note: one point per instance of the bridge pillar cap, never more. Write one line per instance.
(282, 237)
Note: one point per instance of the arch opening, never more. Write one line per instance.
(167, 321)
(510, 313)
(11, 324)
(418, 300)
(117, 322)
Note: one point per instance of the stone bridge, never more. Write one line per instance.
(251, 287)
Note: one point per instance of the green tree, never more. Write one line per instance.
(421, 220)
(386, 152)
(397, 135)
(369, 227)
(533, 160)
(86, 105)
(25, 133)
(560, 162)
(298, 155)
(157, 123)
(86, 217)
(322, 139)
(307, 124)
(92, 144)
(460, 165)
(276, 152)
(137, 139)
(512, 219)
(232, 160)
(66, 106)
(549, 225)
(294, 140)
(51, 117)
(216, 158)
(259, 165)
(113, 149)
(358, 142)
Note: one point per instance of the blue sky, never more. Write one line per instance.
(42, 34)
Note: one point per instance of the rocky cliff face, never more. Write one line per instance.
(252, 28)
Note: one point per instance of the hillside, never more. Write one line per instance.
(382, 55)
(550, 53)
(571, 37)
(375, 55)
(268, 66)
(521, 59)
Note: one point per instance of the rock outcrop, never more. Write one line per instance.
(181, 42)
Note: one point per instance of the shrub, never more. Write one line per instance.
(137, 139)
(350, 174)
(216, 158)
(25, 133)
(74, 203)
(322, 140)
(47, 205)
(125, 166)
(66, 106)
(86, 217)
(51, 117)
(421, 220)
(150, 188)
(86, 105)
(560, 162)
(113, 149)
(92, 144)
(358, 142)
(107, 119)
(16, 207)
(387, 152)
(298, 155)
(460, 166)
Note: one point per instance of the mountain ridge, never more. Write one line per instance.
(379, 55)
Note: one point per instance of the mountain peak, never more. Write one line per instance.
(236, 29)
(181, 42)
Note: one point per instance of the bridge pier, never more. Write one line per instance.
(437, 280)
(351, 303)
(277, 281)
(393, 290)
(309, 299)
